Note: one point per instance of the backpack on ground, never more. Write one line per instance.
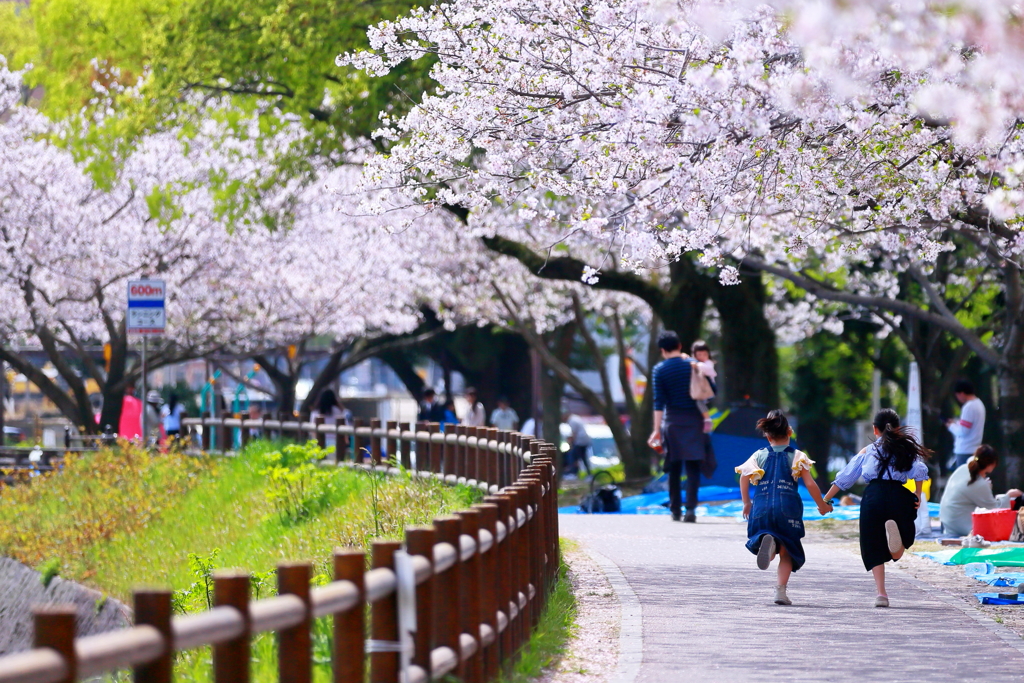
(607, 498)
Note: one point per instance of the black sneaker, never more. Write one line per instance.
(677, 516)
(690, 517)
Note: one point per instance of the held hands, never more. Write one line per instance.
(824, 508)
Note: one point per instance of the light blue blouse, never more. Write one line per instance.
(866, 463)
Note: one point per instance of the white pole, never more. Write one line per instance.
(145, 434)
(913, 420)
(914, 423)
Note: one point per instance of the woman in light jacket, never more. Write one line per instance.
(968, 488)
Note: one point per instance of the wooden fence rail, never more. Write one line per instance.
(476, 582)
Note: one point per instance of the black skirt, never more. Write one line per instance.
(883, 500)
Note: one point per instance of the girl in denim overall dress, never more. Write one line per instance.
(775, 517)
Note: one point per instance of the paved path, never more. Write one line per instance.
(697, 609)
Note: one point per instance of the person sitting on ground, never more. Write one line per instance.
(775, 517)
(888, 511)
(504, 417)
(968, 488)
(476, 416)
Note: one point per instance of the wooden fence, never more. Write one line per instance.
(474, 583)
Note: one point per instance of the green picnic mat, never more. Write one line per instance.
(1001, 557)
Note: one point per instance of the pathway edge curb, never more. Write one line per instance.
(631, 641)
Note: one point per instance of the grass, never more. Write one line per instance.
(120, 518)
(549, 640)
(124, 517)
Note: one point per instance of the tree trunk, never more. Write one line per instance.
(750, 363)
(1011, 412)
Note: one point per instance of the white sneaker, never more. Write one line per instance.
(766, 553)
(893, 538)
(975, 542)
(882, 601)
(780, 596)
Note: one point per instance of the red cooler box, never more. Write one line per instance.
(994, 525)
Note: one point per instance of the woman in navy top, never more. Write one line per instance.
(888, 511)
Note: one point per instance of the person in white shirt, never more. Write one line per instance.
(503, 416)
(969, 429)
(476, 416)
(579, 445)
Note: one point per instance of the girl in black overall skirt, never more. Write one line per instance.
(888, 510)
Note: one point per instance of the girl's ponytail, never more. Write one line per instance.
(900, 449)
(983, 458)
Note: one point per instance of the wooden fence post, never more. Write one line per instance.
(523, 564)
(231, 658)
(55, 629)
(245, 435)
(504, 574)
(422, 448)
(493, 458)
(153, 608)
(470, 604)
(295, 644)
(358, 441)
(435, 449)
(321, 437)
(489, 599)
(349, 627)
(406, 447)
(375, 442)
(485, 458)
(384, 666)
(224, 434)
(448, 591)
(420, 540)
(391, 452)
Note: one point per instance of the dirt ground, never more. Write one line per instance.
(593, 649)
(950, 580)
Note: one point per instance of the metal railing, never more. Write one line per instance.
(481, 579)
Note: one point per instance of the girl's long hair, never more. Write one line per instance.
(899, 449)
(983, 457)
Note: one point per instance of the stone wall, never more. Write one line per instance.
(21, 587)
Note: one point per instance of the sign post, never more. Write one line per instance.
(147, 318)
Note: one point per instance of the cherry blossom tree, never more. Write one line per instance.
(835, 163)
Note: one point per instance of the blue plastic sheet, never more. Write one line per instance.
(994, 599)
(657, 504)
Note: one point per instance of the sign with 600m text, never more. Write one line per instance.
(146, 313)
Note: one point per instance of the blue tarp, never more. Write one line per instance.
(994, 599)
(656, 504)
